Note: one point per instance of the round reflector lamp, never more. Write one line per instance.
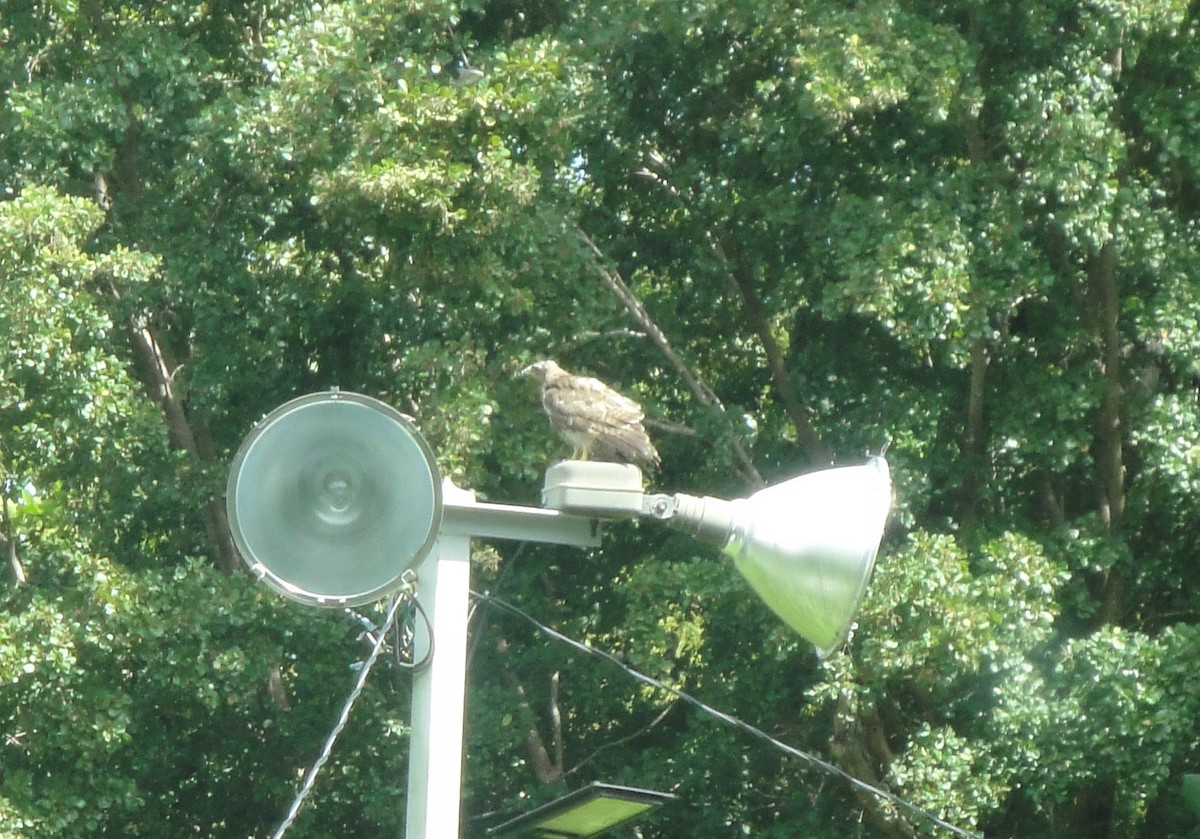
(332, 497)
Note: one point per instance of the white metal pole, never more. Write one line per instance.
(436, 739)
(439, 691)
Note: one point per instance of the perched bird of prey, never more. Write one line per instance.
(597, 421)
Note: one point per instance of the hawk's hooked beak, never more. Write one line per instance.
(536, 370)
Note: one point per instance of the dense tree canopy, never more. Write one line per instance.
(796, 232)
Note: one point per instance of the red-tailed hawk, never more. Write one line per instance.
(597, 421)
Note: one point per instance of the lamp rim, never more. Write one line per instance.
(259, 568)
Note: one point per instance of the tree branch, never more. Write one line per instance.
(662, 715)
(556, 731)
(810, 442)
(668, 427)
(545, 769)
(157, 372)
(612, 280)
(8, 541)
(607, 335)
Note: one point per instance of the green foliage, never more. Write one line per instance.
(964, 228)
(1191, 792)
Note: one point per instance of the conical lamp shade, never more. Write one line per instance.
(807, 546)
(332, 497)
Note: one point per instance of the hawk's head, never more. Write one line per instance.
(542, 370)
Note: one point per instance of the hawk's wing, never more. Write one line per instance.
(596, 418)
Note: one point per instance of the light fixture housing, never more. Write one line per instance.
(332, 497)
(588, 811)
(806, 546)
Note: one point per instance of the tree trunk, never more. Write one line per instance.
(973, 442)
(860, 746)
(1109, 448)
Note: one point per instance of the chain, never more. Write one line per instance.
(403, 596)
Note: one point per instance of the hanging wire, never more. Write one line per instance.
(729, 719)
(403, 640)
(418, 666)
(403, 596)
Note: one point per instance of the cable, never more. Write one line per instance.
(418, 666)
(311, 778)
(372, 633)
(728, 719)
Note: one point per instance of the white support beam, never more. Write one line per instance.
(509, 521)
(436, 742)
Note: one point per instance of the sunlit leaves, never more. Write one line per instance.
(389, 197)
(859, 60)
(64, 383)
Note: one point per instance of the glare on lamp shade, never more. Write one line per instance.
(807, 546)
(585, 812)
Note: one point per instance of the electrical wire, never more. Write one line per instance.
(728, 719)
(419, 666)
(371, 633)
(326, 749)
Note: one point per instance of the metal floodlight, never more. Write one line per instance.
(332, 497)
(585, 812)
(807, 545)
